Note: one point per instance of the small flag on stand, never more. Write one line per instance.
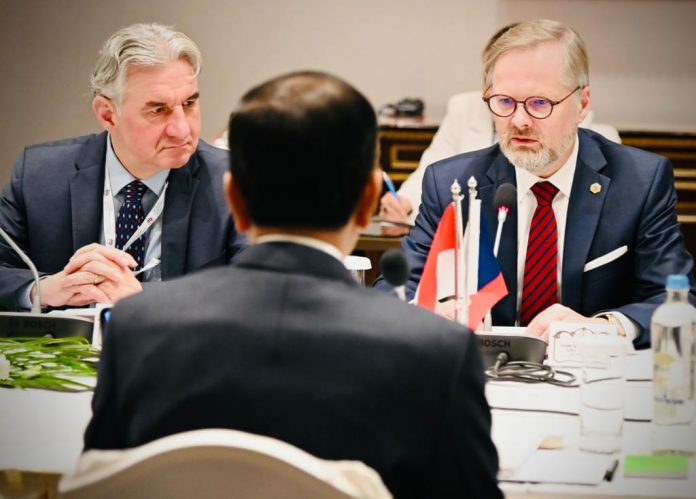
(491, 286)
(438, 276)
(438, 279)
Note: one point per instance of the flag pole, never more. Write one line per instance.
(460, 296)
(472, 244)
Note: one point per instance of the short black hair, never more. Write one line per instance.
(302, 147)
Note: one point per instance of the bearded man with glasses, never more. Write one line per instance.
(594, 233)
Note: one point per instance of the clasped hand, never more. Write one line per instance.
(540, 325)
(95, 273)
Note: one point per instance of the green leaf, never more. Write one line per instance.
(49, 363)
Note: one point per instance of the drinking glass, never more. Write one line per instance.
(602, 390)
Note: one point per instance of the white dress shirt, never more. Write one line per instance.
(317, 244)
(527, 203)
(119, 178)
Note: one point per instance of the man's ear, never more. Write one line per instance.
(104, 109)
(236, 203)
(369, 198)
(585, 100)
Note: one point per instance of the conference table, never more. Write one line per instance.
(526, 416)
(41, 435)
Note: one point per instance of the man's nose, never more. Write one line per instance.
(520, 118)
(178, 125)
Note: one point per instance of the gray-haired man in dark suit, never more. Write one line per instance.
(66, 200)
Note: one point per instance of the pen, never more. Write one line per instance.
(609, 474)
(390, 184)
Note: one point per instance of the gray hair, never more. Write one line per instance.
(529, 34)
(139, 45)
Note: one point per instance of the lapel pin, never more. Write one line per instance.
(595, 188)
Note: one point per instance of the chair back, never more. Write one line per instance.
(215, 463)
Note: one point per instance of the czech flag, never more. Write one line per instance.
(438, 277)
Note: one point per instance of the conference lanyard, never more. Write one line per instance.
(110, 216)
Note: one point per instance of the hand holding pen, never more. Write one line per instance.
(389, 184)
(394, 208)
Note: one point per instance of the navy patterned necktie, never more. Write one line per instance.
(540, 285)
(130, 217)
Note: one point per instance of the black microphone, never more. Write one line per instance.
(505, 201)
(35, 323)
(395, 270)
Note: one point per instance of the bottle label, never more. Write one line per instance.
(673, 376)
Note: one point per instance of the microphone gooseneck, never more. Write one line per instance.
(36, 302)
(505, 200)
(35, 323)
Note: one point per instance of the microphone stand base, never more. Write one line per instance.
(29, 324)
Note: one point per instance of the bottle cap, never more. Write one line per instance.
(675, 281)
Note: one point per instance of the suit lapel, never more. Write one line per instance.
(175, 218)
(584, 210)
(86, 190)
(501, 172)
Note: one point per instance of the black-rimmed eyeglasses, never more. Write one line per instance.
(536, 107)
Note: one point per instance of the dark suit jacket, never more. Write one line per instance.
(635, 207)
(286, 344)
(53, 206)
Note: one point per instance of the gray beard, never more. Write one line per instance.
(536, 162)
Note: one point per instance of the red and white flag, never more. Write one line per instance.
(484, 276)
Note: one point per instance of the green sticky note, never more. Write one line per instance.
(656, 466)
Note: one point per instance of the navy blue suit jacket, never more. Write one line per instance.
(53, 206)
(635, 207)
(285, 343)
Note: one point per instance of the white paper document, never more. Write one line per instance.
(376, 225)
(514, 427)
(561, 466)
(85, 312)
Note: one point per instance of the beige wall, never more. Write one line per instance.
(642, 53)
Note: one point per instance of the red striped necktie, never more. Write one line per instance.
(540, 285)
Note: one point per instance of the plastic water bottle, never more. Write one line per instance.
(673, 338)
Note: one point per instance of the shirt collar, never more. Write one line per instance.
(327, 248)
(562, 179)
(120, 177)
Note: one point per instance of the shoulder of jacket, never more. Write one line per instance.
(67, 143)
(212, 155)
